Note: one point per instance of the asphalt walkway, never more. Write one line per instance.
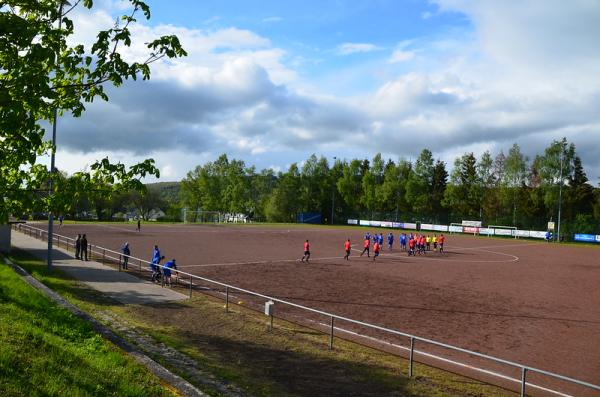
(121, 286)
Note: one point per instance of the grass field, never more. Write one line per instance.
(46, 351)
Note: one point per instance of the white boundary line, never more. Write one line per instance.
(271, 261)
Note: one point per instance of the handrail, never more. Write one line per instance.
(523, 367)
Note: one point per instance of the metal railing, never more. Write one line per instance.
(101, 252)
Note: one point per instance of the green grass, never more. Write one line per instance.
(46, 351)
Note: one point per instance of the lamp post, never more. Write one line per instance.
(333, 191)
(52, 160)
(560, 191)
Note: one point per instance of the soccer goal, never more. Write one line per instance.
(200, 216)
(507, 231)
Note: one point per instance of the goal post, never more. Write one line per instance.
(200, 216)
(505, 231)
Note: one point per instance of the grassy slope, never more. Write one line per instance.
(45, 350)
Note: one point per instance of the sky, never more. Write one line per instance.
(272, 82)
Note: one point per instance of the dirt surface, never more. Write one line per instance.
(526, 301)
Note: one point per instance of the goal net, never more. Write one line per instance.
(200, 216)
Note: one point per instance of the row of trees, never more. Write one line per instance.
(506, 189)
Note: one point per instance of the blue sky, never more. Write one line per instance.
(272, 82)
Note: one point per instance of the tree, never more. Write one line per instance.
(463, 194)
(41, 74)
(420, 183)
(515, 172)
(438, 188)
(349, 184)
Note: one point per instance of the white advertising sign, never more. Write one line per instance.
(386, 224)
(485, 231)
(375, 223)
(537, 234)
(410, 226)
(503, 232)
(523, 233)
(353, 221)
(441, 228)
(472, 223)
(427, 226)
(455, 229)
(365, 222)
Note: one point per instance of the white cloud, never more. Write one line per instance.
(527, 73)
(272, 19)
(353, 48)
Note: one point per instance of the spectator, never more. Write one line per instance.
(126, 253)
(78, 247)
(84, 248)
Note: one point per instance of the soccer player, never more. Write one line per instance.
(167, 271)
(367, 245)
(376, 247)
(428, 242)
(390, 239)
(380, 239)
(156, 258)
(441, 241)
(347, 247)
(411, 247)
(435, 241)
(306, 251)
(403, 242)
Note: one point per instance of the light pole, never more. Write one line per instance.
(52, 159)
(560, 191)
(333, 190)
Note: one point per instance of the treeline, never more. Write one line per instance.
(500, 189)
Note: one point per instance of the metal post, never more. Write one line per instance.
(58, 240)
(271, 325)
(333, 192)
(103, 255)
(410, 359)
(560, 191)
(331, 335)
(226, 299)
(523, 380)
(190, 286)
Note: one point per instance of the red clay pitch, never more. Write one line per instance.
(525, 301)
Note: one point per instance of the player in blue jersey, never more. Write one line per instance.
(390, 239)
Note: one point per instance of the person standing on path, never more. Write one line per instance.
(347, 247)
(154, 265)
(78, 247)
(126, 253)
(167, 271)
(306, 251)
(84, 248)
(139, 225)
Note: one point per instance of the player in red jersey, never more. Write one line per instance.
(376, 248)
(306, 251)
(411, 247)
(366, 247)
(441, 240)
(347, 247)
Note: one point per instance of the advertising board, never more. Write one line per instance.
(455, 229)
(588, 238)
(471, 223)
(353, 221)
(410, 226)
(470, 229)
(375, 223)
(503, 232)
(364, 222)
(598, 238)
(427, 226)
(537, 234)
(441, 228)
(386, 224)
(485, 231)
(522, 233)
(398, 225)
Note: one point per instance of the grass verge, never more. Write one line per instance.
(46, 351)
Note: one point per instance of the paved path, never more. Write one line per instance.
(121, 286)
